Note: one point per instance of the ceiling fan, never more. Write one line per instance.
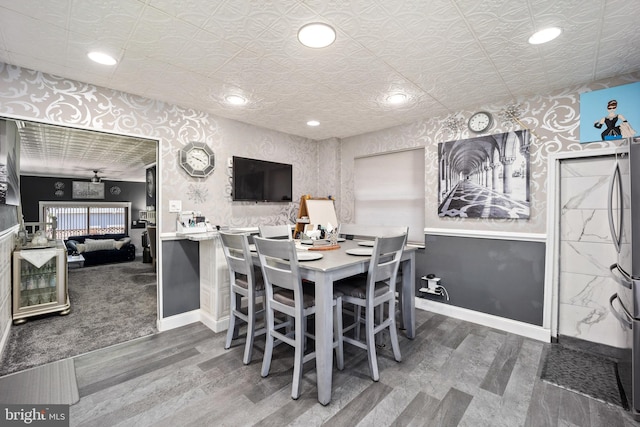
(95, 179)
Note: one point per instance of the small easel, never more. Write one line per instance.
(315, 210)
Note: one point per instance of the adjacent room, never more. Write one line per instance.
(429, 203)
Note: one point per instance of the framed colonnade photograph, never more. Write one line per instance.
(485, 177)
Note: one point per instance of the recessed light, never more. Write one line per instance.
(236, 100)
(102, 58)
(313, 123)
(316, 35)
(545, 35)
(396, 98)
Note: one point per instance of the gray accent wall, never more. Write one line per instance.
(500, 277)
(180, 277)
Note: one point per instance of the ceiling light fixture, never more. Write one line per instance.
(313, 123)
(236, 100)
(396, 98)
(316, 35)
(545, 35)
(102, 58)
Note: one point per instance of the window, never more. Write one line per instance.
(82, 218)
(389, 190)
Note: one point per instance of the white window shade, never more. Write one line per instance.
(389, 190)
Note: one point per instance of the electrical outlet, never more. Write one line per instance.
(175, 206)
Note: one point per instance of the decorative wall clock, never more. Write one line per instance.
(480, 122)
(197, 159)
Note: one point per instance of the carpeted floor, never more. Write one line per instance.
(585, 373)
(110, 304)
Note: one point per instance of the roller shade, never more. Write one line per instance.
(389, 190)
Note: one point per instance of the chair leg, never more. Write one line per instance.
(298, 356)
(357, 316)
(251, 329)
(371, 344)
(231, 331)
(393, 334)
(268, 347)
(337, 331)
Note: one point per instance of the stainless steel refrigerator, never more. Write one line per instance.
(624, 222)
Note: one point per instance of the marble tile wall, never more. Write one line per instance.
(586, 252)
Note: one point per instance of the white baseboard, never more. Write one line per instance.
(192, 317)
(178, 320)
(214, 325)
(512, 326)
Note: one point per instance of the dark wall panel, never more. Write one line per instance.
(180, 276)
(34, 189)
(500, 277)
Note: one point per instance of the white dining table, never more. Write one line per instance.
(334, 265)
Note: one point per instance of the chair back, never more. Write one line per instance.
(282, 231)
(279, 264)
(362, 230)
(385, 261)
(236, 250)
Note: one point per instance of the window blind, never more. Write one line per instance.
(389, 190)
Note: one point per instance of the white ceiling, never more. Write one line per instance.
(50, 150)
(446, 55)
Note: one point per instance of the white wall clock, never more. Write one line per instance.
(197, 159)
(480, 122)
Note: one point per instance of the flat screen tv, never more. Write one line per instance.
(261, 181)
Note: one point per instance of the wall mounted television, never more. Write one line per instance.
(261, 181)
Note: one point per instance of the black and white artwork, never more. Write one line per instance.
(151, 186)
(485, 177)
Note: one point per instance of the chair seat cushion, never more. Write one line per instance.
(241, 280)
(358, 288)
(284, 296)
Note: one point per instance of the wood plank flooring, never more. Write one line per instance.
(454, 373)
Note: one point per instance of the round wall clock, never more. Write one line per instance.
(197, 159)
(480, 122)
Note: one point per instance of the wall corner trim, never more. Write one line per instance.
(214, 325)
(512, 326)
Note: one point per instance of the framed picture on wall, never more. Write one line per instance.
(151, 186)
(87, 190)
(610, 114)
(485, 177)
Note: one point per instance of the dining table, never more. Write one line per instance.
(349, 258)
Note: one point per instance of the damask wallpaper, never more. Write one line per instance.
(33, 95)
(320, 167)
(553, 118)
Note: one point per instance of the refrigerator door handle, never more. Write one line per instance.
(621, 276)
(615, 236)
(627, 320)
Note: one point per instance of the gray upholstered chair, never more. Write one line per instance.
(282, 231)
(372, 293)
(370, 232)
(285, 294)
(246, 282)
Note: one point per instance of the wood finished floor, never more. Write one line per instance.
(454, 373)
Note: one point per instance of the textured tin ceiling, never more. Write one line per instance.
(446, 55)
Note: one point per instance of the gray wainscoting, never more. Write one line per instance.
(180, 277)
(500, 277)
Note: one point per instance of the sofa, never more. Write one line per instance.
(102, 248)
